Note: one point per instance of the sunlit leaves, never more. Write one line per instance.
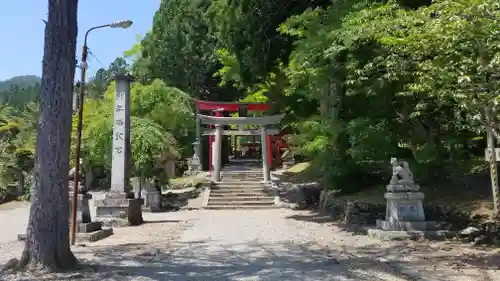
(158, 113)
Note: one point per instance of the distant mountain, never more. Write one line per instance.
(20, 90)
(23, 81)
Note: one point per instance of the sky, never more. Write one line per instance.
(22, 28)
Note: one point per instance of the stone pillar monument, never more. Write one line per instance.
(217, 153)
(116, 203)
(265, 151)
(194, 164)
(404, 210)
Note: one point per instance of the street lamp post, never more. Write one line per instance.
(118, 24)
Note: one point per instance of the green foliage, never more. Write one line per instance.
(158, 114)
(400, 82)
(16, 146)
(151, 145)
(98, 84)
(23, 81)
(180, 49)
(359, 81)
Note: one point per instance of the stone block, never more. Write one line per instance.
(88, 227)
(404, 206)
(83, 237)
(406, 225)
(94, 236)
(113, 207)
(387, 235)
(402, 187)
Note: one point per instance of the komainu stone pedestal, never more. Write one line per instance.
(115, 206)
(404, 217)
(405, 212)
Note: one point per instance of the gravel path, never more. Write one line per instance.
(261, 245)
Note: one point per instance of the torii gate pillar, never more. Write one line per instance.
(217, 150)
(265, 152)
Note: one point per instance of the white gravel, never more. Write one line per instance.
(261, 245)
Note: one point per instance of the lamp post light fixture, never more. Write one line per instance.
(124, 24)
(121, 24)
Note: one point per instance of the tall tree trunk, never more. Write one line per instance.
(47, 243)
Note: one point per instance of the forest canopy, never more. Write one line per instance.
(359, 82)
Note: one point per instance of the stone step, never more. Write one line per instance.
(259, 179)
(249, 173)
(242, 174)
(241, 178)
(240, 183)
(240, 188)
(251, 201)
(226, 190)
(237, 199)
(245, 207)
(240, 193)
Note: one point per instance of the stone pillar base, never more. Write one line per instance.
(404, 206)
(117, 206)
(406, 225)
(405, 212)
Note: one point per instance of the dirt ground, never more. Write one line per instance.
(276, 244)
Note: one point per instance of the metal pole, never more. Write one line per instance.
(74, 199)
(76, 179)
(85, 50)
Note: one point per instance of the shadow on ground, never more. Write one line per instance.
(427, 256)
(314, 216)
(202, 260)
(210, 260)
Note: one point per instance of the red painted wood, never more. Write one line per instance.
(269, 152)
(231, 106)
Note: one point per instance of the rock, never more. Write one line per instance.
(75, 275)
(469, 231)
(480, 240)
(304, 194)
(122, 215)
(146, 254)
(11, 264)
(333, 260)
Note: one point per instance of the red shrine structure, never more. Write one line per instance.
(220, 109)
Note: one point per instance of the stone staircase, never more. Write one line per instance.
(241, 189)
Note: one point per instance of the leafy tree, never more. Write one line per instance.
(98, 84)
(118, 66)
(18, 96)
(158, 114)
(23, 81)
(412, 70)
(180, 49)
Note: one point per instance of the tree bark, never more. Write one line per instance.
(47, 242)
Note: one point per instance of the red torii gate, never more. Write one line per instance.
(218, 108)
